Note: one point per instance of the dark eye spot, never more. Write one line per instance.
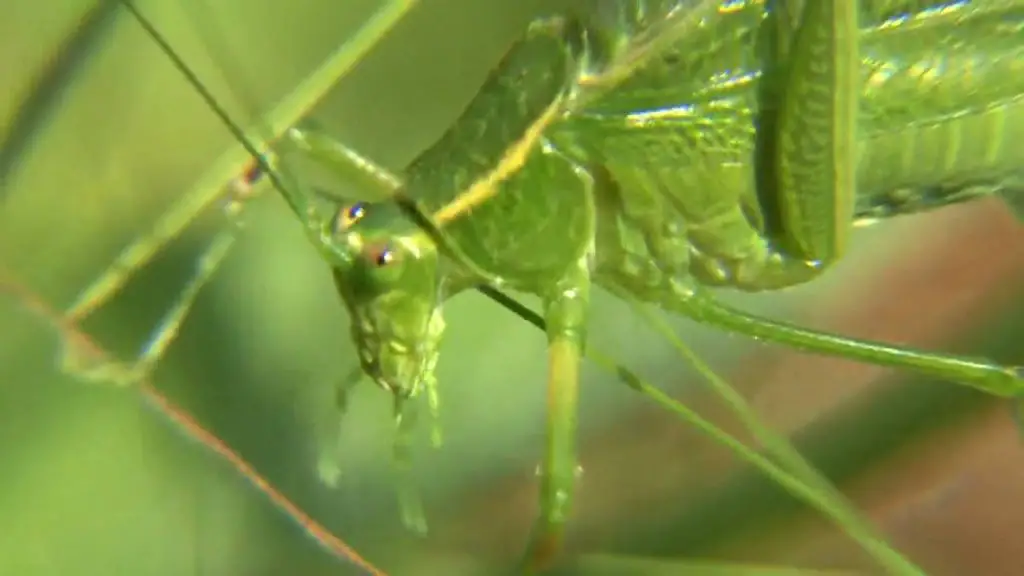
(348, 216)
(384, 257)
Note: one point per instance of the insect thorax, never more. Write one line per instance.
(672, 147)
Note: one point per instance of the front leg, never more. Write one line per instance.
(565, 312)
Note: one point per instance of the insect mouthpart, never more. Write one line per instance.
(399, 365)
(399, 369)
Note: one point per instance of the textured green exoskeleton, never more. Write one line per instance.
(658, 152)
(658, 149)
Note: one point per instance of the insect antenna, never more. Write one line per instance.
(261, 161)
(284, 184)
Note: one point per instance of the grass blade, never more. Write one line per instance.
(191, 429)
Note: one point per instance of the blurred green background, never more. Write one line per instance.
(94, 482)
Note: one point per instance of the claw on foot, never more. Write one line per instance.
(83, 363)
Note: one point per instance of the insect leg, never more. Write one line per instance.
(811, 146)
(139, 253)
(134, 257)
(1013, 197)
(405, 414)
(789, 468)
(565, 317)
(812, 157)
(79, 364)
(982, 374)
(788, 456)
(327, 464)
(366, 175)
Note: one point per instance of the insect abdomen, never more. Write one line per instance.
(955, 96)
(928, 166)
(943, 93)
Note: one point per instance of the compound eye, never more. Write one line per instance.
(349, 216)
(382, 256)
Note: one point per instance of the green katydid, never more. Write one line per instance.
(659, 149)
